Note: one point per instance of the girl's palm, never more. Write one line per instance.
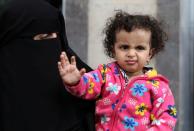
(68, 71)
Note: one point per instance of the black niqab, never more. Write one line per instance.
(32, 96)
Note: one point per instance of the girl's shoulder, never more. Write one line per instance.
(152, 74)
(111, 65)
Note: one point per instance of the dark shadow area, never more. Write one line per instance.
(56, 3)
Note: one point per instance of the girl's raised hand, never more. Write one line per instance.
(68, 71)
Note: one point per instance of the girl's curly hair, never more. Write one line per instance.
(128, 22)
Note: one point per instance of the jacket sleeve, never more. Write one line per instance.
(89, 86)
(164, 113)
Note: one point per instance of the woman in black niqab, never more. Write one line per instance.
(32, 96)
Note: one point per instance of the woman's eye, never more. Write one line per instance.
(45, 36)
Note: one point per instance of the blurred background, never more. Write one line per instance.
(85, 20)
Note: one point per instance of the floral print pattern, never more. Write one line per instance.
(91, 87)
(130, 123)
(142, 103)
(172, 111)
(104, 119)
(141, 109)
(113, 88)
(138, 89)
(154, 83)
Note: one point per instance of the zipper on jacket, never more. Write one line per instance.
(115, 114)
(121, 97)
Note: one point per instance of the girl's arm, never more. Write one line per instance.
(79, 83)
(90, 84)
(164, 113)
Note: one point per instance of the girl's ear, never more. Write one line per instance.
(151, 53)
(113, 52)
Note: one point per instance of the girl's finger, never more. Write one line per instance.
(82, 71)
(64, 59)
(60, 67)
(73, 61)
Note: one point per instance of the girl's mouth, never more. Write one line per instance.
(131, 62)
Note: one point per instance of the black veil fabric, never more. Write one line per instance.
(56, 3)
(32, 96)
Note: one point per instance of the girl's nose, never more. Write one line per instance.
(131, 53)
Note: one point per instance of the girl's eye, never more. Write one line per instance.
(140, 48)
(124, 47)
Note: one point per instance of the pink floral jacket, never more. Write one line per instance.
(145, 103)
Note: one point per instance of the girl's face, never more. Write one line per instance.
(132, 50)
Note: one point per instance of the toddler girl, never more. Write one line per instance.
(129, 96)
